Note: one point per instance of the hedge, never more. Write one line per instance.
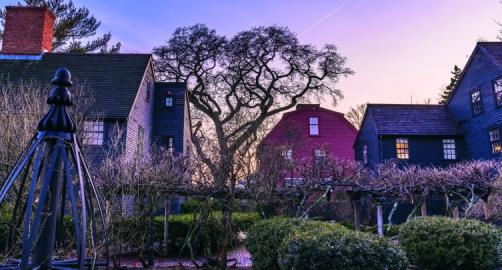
(323, 247)
(133, 232)
(445, 243)
(265, 237)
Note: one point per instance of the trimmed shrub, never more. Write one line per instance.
(135, 231)
(190, 206)
(265, 237)
(323, 247)
(445, 243)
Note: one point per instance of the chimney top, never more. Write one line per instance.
(28, 30)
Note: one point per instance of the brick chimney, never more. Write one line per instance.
(28, 30)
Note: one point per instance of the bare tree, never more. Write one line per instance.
(22, 105)
(235, 84)
(356, 115)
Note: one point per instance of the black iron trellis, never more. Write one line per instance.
(59, 175)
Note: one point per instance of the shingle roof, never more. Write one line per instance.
(410, 119)
(113, 79)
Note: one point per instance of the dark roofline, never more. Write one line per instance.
(171, 84)
(464, 70)
(402, 105)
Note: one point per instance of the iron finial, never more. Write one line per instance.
(58, 119)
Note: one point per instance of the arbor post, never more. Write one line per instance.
(355, 198)
(379, 201)
(423, 208)
(486, 206)
(167, 212)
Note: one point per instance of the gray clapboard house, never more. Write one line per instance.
(123, 88)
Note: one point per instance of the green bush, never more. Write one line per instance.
(190, 206)
(445, 243)
(203, 239)
(265, 237)
(323, 247)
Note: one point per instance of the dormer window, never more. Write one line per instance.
(476, 103)
(169, 101)
(497, 91)
(314, 126)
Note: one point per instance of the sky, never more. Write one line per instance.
(402, 51)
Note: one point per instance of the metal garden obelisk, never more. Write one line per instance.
(59, 178)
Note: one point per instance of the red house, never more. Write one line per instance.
(312, 131)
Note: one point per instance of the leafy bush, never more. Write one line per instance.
(445, 243)
(323, 247)
(202, 234)
(265, 237)
(190, 206)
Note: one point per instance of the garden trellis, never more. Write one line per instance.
(59, 182)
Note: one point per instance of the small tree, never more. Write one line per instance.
(448, 90)
(356, 115)
(236, 84)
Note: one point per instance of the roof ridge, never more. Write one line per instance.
(98, 54)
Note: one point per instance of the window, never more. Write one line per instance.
(148, 90)
(495, 140)
(365, 153)
(402, 149)
(169, 102)
(141, 138)
(93, 132)
(287, 154)
(314, 125)
(477, 105)
(497, 91)
(449, 149)
(170, 144)
(319, 153)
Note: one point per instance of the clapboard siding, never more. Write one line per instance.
(336, 134)
(479, 74)
(171, 121)
(367, 136)
(141, 114)
(423, 150)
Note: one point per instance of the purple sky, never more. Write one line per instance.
(398, 49)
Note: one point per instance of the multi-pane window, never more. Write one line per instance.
(402, 149)
(497, 91)
(314, 125)
(495, 140)
(319, 153)
(287, 153)
(93, 132)
(476, 103)
(365, 153)
(169, 102)
(170, 144)
(449, 149)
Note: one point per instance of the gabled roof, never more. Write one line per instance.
(492, 50)
(412, 119)
(113, 79)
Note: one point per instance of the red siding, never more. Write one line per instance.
(336, 134)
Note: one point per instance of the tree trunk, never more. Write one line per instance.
(167, 212)
(423, 208)
(456, 213)
(380, 219)
(357, 216)
(486, 209)
(226, 220)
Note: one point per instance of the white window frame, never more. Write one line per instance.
(497, 91)
(93, 132)
(449, 149)
(287, 153)
(170, 144)
(476, 102)
(402, 148)
(495, 141)
(314, 126)
(169, 101)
